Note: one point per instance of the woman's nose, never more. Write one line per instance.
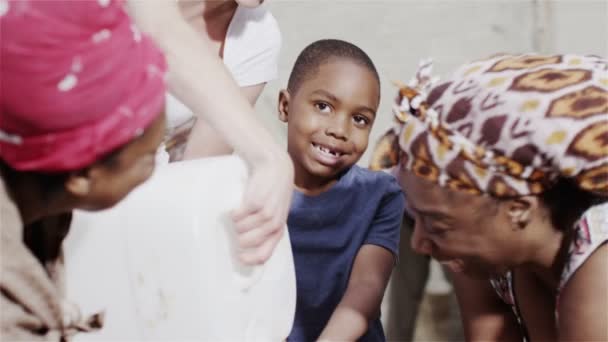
(420, 243)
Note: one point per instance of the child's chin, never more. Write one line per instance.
(325, 171)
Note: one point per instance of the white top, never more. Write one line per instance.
(251, 53)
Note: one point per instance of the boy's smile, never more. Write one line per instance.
(327, 154)
(330, 116)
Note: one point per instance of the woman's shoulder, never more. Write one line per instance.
(252, 46)
(257, 20)
(590, 232)
(251, 31)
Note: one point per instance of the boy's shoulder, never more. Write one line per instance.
(376, 179)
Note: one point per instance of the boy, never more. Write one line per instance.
(344, 220)
(80, 121)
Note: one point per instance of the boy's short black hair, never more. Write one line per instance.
(319, 52)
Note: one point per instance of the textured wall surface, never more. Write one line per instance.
(398, 33)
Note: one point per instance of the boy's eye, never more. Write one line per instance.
(323, 107)
(361, 120)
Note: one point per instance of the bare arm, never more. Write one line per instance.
(484, 316)
(198, 78)
(363, 296)
(583, 304)
(204, 141)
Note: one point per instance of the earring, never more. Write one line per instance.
(521, 224)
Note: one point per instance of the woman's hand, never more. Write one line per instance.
(261, 219)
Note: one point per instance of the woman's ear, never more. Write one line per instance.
(78, 184)
(283, 105)
(520, 210)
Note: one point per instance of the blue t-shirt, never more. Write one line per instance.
(327, 230)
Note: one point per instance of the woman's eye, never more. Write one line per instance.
(323, 107)
(432, 230)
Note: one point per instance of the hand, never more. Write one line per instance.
(261, 219)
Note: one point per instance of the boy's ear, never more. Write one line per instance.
(79, 184)
(520, 210)
(283, 105)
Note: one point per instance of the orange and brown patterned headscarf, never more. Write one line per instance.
(509, 125)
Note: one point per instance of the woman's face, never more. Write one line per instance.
(468, 233)
(112, 179)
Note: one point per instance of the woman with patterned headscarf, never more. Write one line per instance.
(505, 167)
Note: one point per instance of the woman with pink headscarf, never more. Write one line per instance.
(81, 116)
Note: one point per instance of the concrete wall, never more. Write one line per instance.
(398, 33)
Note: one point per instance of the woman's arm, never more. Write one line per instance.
(363, 296)
(484, 316)
(198, 78)
(583, 303)
(204, 141)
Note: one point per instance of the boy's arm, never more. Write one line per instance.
(361, 302)
(371, 271)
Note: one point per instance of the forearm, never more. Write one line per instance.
(359, 306)
(199, 79)
(484, 316)
(204, 141)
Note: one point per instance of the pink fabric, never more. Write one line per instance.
(77, 80)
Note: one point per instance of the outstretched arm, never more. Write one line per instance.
(204, 141)
(198, 78)
(484, 316)
(361, 302)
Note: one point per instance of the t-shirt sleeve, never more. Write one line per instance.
(386, 225)
(252, 47)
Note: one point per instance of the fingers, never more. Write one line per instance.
(263, 252)
(248, 208)
(257, 233)
(261, 219)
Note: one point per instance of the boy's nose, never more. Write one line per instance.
(338, 129)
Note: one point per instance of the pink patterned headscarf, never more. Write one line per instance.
(508, 126)
(77, 81)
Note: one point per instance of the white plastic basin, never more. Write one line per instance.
(162, 264)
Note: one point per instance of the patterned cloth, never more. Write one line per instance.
(77, 80)
(508, 125)
(591, 232)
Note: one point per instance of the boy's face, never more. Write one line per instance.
(329, 118)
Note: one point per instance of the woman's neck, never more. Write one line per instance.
(549, 253)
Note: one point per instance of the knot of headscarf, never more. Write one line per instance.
(509, 125)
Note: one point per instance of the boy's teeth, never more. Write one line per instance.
(326, 150)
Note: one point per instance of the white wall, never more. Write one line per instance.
(398, 33)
